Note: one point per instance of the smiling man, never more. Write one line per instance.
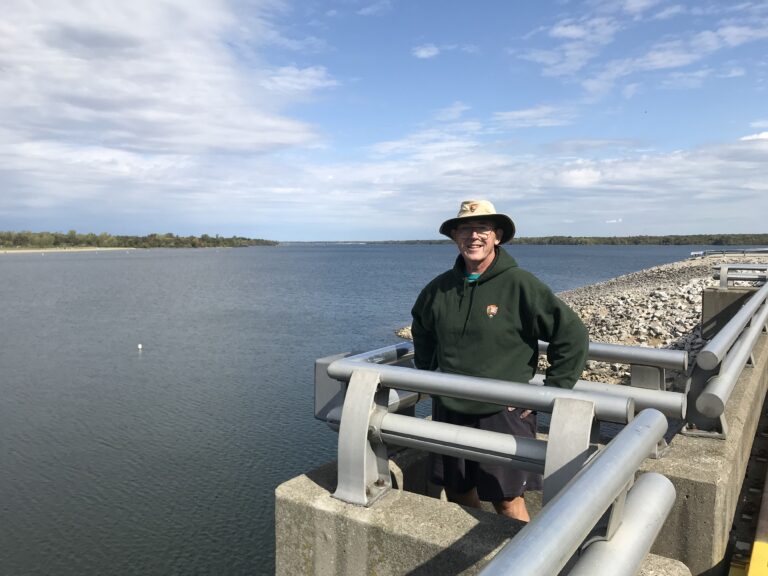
(484, 318)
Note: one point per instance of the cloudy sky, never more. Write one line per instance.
(373, 119)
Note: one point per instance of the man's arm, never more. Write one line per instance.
(424, 343)
(568, 342)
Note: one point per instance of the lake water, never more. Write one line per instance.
(164, 460)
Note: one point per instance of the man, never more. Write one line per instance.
(484, 318)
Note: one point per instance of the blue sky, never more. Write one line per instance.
(370, 120)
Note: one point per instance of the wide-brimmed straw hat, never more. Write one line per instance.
(480, 210)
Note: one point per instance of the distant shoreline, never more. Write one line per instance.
(78, 249)
(757, 239)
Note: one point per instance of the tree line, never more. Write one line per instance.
(682, 240)
(72, 239)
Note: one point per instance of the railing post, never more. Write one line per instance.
(650, 377)
(363, 465)
(569, 444)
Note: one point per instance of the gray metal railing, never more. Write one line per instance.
(545, 544)
(732, 272)
(659, 357)
(610, 408)
(715, 350)
(578, 488)
(726, 251)
(671, 404)
(647, 506)
(713, 399)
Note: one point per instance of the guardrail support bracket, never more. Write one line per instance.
(363, 465)
(569, 445)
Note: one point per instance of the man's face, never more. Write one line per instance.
(476, 241)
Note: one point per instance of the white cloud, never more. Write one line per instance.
(290, 79)
(736, 72)
(614, 221)
(146, 75)
(539, 116)
(426, 51)
(630, 90)
(638, 6)
(376, 8)
(580, 44)
(452, 112)
(581, 177)
(582, 41)
(760, 136)
(670, 12)
(686, 80)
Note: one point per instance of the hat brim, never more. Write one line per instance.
(502, 221)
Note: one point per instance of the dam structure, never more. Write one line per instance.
(661, 475)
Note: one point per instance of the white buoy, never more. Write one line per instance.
(139, 347)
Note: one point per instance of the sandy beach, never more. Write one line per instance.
(53, 250)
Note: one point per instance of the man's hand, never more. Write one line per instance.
(524, 414)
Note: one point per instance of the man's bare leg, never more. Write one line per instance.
(514, 508)
(469, 499)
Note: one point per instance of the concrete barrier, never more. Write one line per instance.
(403, 533)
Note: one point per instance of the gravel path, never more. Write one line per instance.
(658, 307)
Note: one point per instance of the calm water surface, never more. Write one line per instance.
(115, 461)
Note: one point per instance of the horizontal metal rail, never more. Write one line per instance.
(736, 266)
(714, 352)
(671, 404)
(743, 277)
(702, 253)
(607, 407)
(600, 351)
(711, 402)
(647, 507)
(462, 442)
(660, 357)
(546, 543)
(398, 400)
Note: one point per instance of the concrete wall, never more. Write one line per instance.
(403, 533)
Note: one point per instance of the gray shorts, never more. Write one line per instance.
(494, 482)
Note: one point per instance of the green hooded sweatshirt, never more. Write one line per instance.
(491, 327)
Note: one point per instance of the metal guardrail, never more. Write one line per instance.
(610, 408)
(579, 486)
(713, 399)
(726, 251)
(658, 357)
(545, 545)
(722, 360)
(744, 273)
(647, 507)
(714, 352)
(329, 396)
